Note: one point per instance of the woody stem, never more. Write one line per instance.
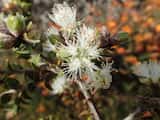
(88, 99)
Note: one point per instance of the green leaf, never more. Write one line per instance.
(14, 67)
(35, 60)
(123, 35)
(5, 98)
(25, 5)
(12, 83)
(53, 38)
(15, 23)
(144, 56)
(29, 26)
(89, 118)
(23, 51)
(51, 56)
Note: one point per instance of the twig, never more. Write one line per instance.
(89, 102)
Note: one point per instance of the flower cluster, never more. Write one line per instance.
(149, 72)
(77, 51)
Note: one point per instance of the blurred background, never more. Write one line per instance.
(141, 20)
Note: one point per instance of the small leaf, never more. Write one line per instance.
(13, 67)
(15, 23)
(12, 83)
(53, 38)
(29, 26)
(123, 35)
(6, 98)
(29, 40)
(35, 60)
(23, 51)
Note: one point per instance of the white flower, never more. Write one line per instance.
(85, 36)
(79, 52)
(101, 78)
(86, 40)
(73, 69)
(69, 49)
(59, 84)
(106, 72)
(52, 31)
(88, 64)
(63, 15)
(148, 71)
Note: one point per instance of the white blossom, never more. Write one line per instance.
(59, 84)
(64, 16)
(148, 71)
(85, 36)
(79, 52)
(52, 31)
(100, 78)
(106, 74)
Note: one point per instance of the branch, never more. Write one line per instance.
(89, 102)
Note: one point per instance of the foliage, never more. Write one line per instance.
(117, 61)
